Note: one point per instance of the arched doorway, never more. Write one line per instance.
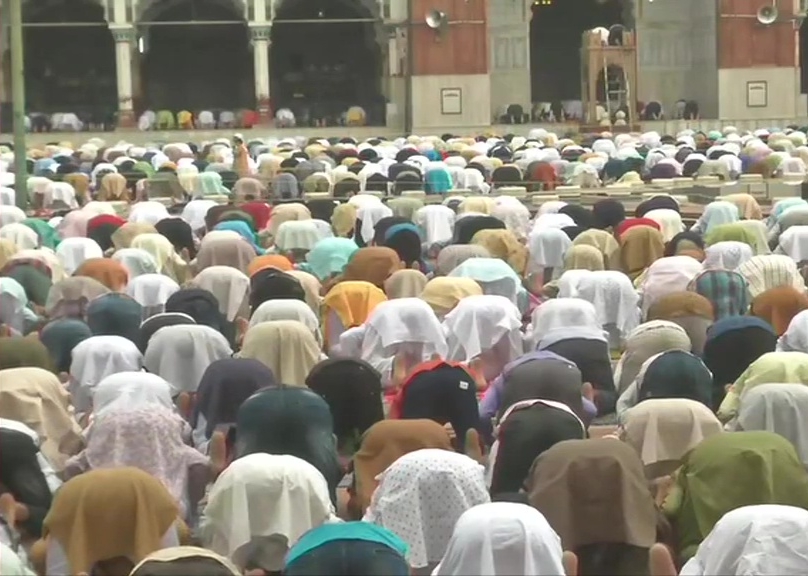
(69, 68)
(207, 65)
(555, 43)
(325, 58)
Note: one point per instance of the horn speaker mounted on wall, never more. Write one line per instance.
(767, 14)
(438, 21)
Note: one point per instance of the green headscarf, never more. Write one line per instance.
(48, 236)
(60, 337)
(210, 184)
(24, 352)
(144, 167)
(290, 420)
(36, 283)
(115, 314)
(676, 374)
(728, 471)
(731, 233)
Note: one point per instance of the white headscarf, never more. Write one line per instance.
(230, 286)
(478, 324)
(149, 212)
(716, 214)
(299, 235)
(195, 211)
(547, 248)
(422, 495)
(296, 310)
(405, 326)
(614, 298)
(501, 539)
(794, 243)
(182, 353)
(763, 540)
(670, 221)
(74, 251)
(514, 214)
(551, 207)
(152, 291)
(21, 235)
(727, 255)
(136, 261)
(127, 390)
(63, 192)
(795, 338)
(778, 408)
(436, 222)
(370, 214)
(96, 358)
(11, 215)
(14, 310)
(277, 498)
(569, 282)
(558, 319)
(552, 220)
(668, 275)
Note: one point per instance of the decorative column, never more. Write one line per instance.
(259, 34)
(124, 40)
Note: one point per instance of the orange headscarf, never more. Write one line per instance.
(373, 264)
(110, 273)
(282, 263)
(352, 301)
(778, 306)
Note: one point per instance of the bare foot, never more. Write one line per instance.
(217, 452)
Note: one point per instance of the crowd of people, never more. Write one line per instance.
(272, 357)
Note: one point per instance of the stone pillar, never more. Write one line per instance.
(124, 39)
(259, 35)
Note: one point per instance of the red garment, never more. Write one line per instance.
(260, 213)
(396, 397)
(102, 219)
(630, 223)
(544, 173)
(249, 118)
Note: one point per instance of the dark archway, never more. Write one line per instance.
(555, 43)
(207, 65)
(320, 68)
(69, 68)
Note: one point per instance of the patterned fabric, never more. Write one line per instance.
(421, 496)
(770, 271)
(145, 438)
(728, 291)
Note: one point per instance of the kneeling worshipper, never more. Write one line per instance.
(294, 364)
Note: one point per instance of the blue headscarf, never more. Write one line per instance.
(438, 181)
(351, 531)
(330, 256)
(243, 229)
(496, 277)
